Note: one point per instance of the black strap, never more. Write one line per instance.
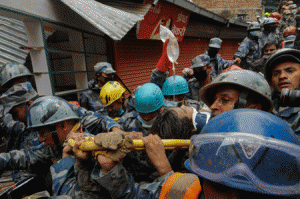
(242, 101)
(56, 141)
(123, 83)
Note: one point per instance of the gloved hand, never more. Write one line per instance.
(164, 63)
(111, 140)
(125, 147)
(135, 135)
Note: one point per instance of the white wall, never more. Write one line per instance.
(53, 10)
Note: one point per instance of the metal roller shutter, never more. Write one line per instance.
(135, 59)
(229, 48)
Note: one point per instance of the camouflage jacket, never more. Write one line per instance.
(121, 184)
(291, 114)
(41, 156)
(194, 90)
(249, 51)
(264, 37)
(129, 122)
(91, 99)
(258, 65)
(218, 65)
(158, 78)
(94, 122)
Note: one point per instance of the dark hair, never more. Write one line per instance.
(169, 126)
(270, 42)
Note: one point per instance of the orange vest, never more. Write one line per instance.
(181, 186)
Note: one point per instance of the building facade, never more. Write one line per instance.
(238, 9)
(65, 46)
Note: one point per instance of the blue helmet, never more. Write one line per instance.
(248, 149)
(148, 98)
(175, 87)
(11, 71)
(49, 110)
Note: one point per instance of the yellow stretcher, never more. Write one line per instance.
(169, 144)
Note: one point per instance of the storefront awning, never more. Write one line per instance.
(114, 19)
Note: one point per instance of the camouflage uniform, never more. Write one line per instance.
(138, 165)
(249, 51)
(14, 132)
(291, 114)
(194, 87)
(129, 122)
(62, 172)
(121, 184)
(218, 65)
(258, 65)
(91, 99)
(94, 122)
(41, 156)
(264, 37)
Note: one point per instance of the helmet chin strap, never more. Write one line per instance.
(56, 141)
(242, 101)
(28, 115)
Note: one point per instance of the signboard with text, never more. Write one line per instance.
(166, 14)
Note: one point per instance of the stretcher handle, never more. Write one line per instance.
(169, 144)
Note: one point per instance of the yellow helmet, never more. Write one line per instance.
(110, 92)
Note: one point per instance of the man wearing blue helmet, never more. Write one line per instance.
(243, 153)
(53, 118)
(237, 89)
(15, 81)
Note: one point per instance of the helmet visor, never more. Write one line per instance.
(268, 164)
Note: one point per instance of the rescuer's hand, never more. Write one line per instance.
(118, 154)
(156, 153)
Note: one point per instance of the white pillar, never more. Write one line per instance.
(38, 57)
(76, 44)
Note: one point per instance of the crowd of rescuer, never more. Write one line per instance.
(17, 93)
(255, 96)
(270, 172)
(166, 108)
(228, 93)
(56, 121)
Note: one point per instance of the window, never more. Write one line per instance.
(72, 55)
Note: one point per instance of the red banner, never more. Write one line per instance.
(166, 14)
